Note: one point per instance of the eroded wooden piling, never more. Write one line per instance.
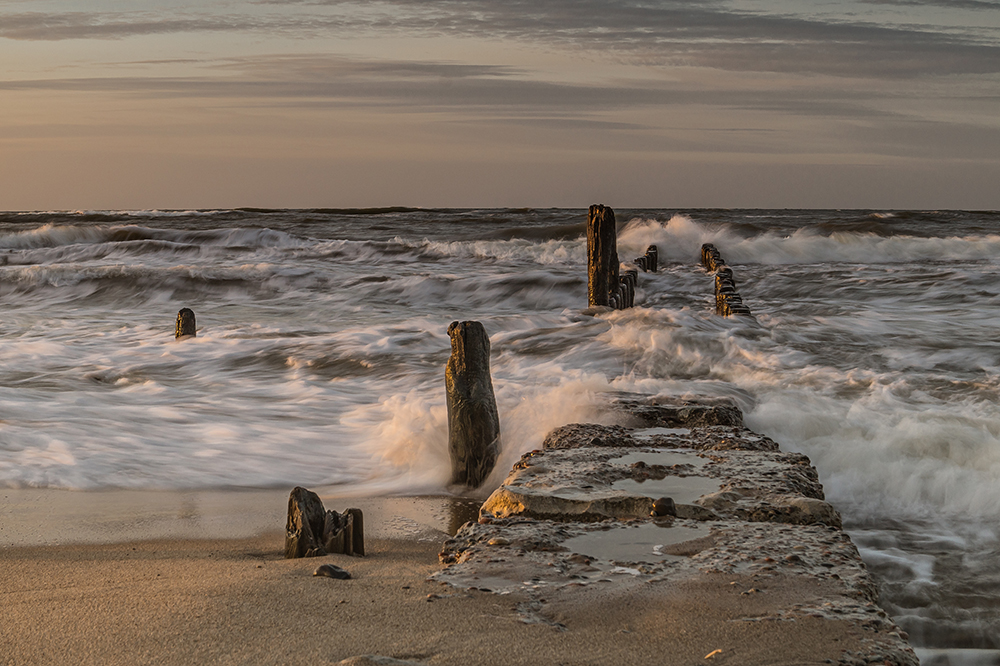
(602, 257)
(473, 421)
(649, 261)
(607, 284)
(313, 531)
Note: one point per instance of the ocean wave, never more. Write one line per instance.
(680, 239)
(113, 283)
(54, 244)
(549, 252)
(893, 439)
(52, 235)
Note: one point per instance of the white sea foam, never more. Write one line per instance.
(681, 238)
(883, 447)
(552, 252)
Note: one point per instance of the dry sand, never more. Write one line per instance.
(239, 602)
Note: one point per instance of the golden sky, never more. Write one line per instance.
(860, 103)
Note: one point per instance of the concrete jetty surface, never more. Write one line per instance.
(749, 552)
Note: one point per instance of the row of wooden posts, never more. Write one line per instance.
(473, 419)
(728, 301)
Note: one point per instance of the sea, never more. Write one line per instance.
(322, 339)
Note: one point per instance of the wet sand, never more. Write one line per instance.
(238, 602)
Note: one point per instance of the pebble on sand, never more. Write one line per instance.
(331, 571)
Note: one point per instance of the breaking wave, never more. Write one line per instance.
(680, 238)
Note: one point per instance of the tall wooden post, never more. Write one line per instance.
(473, 421)
(602, 255)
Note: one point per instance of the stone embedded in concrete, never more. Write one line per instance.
(664, 506)
(473, 420)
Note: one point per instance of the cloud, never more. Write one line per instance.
(659, 33)
(706, 34)
(975, 5)
(37, 26)
(419, 86)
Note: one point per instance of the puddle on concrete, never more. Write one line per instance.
(682, 489)
(665, 457)
(643, 543)
(651, 432)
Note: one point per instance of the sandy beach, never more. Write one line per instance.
(238, 602)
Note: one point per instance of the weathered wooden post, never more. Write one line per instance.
(653, 258)
(313, 531)
(358, 532)
(711, 258)
(304, 528)
(627, 290)
(648, 262)
(473, 421)
(602, 256)
(185, 327)
(728, 301)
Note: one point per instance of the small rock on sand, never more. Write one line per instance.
(331, 571)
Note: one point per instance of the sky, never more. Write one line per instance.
(472, 103)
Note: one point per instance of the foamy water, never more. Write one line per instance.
(322, 342)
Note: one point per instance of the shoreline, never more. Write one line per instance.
(238, 601)
(33, 517)
(740, 575)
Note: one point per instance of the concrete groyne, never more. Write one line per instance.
(678, 509)
(752, 534)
